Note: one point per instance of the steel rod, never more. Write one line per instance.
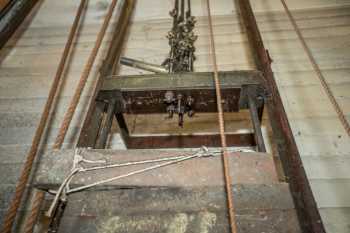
(228, 182)
(143, 65)
(12, 16)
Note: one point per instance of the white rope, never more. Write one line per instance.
(77, 168)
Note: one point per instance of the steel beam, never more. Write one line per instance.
(304, 200)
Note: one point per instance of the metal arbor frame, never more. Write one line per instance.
(144, 94)
(97, 124)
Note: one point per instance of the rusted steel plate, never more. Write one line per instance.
(181, 81)
(185, 199)
(246, 168)
(188, 141)
(148, 102)
(251, 221)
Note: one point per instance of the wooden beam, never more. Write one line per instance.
(250, 168)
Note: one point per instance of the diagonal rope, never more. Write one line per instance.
(317, 69)
(84, 76)
(23, 180)
(72, 107)
(228, 182)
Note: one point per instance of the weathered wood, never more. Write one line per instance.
(336, 219)
(23, 135)
(327, 167)
(331, 192)
(246, 168)
(204, 80)
(180, 199)
(260, 208)
(194, 222)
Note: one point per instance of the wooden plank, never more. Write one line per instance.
(336, 219)
(15, 153)
(3, 4)
(332, 167)
(267, 208)
(7, 191)
(246, 168)
(180, 199)
(331, 192)
(319, 126)
(23, 135)
(225, 35)
(35, 105)
(235, 79)
(193, 222)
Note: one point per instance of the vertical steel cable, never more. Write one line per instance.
(228, 182)
(317, 69)
(21, 185)
(85, 74)
(34, 212)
